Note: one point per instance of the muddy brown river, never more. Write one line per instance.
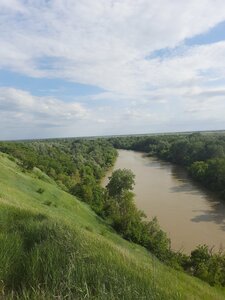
(189, 214)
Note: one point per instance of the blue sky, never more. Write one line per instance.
(213, 35)
(96, 67)
(64, 89)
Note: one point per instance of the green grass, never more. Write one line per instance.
(52, 246)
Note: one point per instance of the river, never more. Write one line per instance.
(189, 214)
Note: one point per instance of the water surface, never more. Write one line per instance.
(189, 214)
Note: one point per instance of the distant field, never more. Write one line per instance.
(221, 132)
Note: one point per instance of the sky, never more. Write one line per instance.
(105, 67)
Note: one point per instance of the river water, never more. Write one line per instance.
(189, 214)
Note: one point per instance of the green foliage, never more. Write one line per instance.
(128, 220)
(198, 170)
(203, 155)
(77, 165)
(158, 241)
(120, 181)
(208, 266)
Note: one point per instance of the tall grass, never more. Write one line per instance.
(40, 258)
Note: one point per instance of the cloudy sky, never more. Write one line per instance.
(101, 67)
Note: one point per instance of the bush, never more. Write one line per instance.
(40, 191)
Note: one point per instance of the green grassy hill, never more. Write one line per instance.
(52, 246)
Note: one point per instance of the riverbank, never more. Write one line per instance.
(188, 214)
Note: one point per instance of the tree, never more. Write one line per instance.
(199, 170)
(120, 181)
(199, 261)
(158, 241)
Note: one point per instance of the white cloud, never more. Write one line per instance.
(108, 44)
(12, 6)
(19, 108)
(99, 42)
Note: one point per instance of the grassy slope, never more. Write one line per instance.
(53, 245)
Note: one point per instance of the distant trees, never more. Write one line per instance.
(210, 173)
(203, 155)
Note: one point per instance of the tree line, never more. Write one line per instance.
(202, 155)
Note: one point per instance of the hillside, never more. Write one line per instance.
(52, 245)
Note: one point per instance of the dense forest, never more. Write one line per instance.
(78, 165)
